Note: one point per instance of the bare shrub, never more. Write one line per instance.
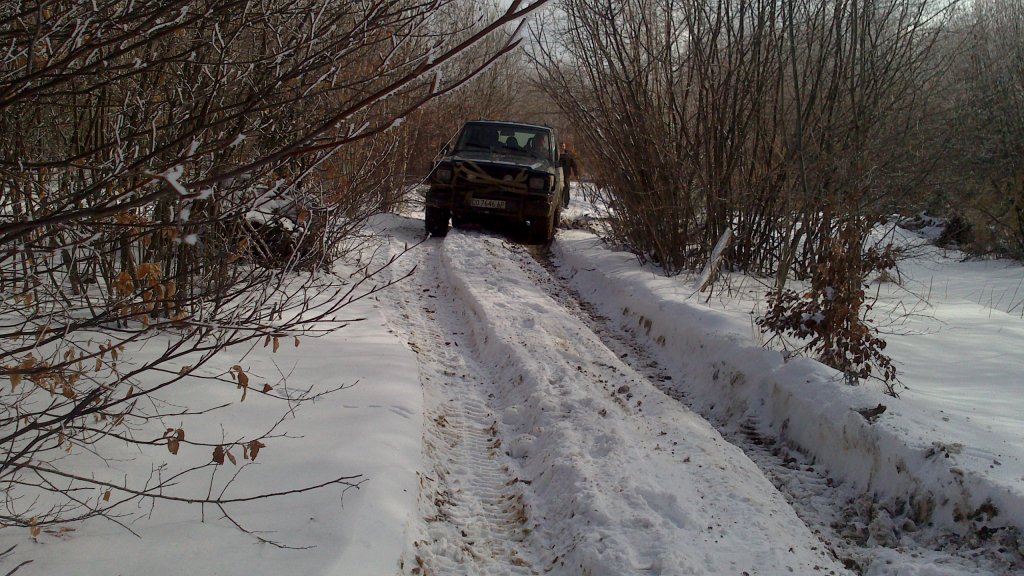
(168, 177)
(984, 165)
(784, 122)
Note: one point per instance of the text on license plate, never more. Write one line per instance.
(484, 203)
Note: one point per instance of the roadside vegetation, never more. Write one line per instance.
(789, 131)
(178, 178)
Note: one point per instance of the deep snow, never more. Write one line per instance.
(497, 434)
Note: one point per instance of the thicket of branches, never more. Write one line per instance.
(797, 125)
(986, 157)
(184, 174)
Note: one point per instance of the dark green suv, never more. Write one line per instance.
(498, 171)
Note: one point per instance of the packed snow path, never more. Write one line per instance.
(544, 453)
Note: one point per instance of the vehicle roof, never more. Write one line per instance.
(510, 123)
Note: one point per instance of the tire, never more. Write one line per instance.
(436, 221)
(543, 231)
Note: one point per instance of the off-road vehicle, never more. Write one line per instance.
(498, 170)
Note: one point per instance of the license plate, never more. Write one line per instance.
(485, 203)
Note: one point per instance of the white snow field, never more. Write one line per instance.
(574, 412)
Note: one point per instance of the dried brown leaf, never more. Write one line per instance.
(254, 448)
(218, 455)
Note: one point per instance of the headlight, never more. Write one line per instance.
(538, 182)
(443, 174)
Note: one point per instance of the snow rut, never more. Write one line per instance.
(623, 479)
(544, 453)
(473, 517)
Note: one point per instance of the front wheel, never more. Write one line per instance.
(542, 230)
(436, 220)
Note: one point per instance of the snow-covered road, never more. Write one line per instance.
(512, 411)
(546, 452)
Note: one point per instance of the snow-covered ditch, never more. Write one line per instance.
(913, 458)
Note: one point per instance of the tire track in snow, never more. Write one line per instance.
(540, 458)
(471, 505)
(606, 476)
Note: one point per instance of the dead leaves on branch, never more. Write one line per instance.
(174, 436)
(36, 530)
(250, 450)
(145, 294)
(275, 339)
(238, 375)
(831, 319)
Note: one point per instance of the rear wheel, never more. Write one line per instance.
(436, 220)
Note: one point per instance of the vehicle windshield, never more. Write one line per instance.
(503, 138)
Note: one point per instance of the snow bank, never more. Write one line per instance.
(734, 381)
